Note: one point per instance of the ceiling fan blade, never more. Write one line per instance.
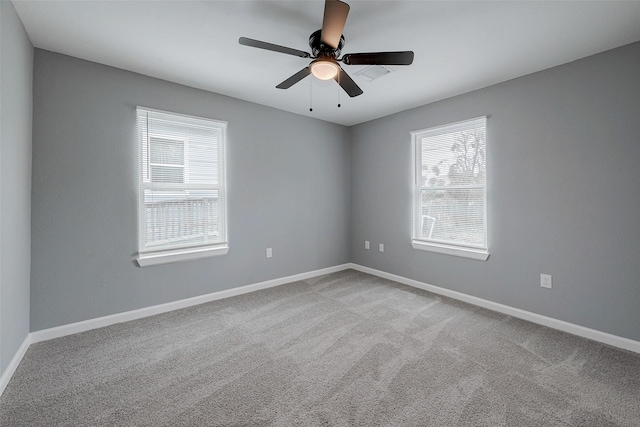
(348, 84)
(273, 47)
(379, 58)
(294, 79)
(335, 16)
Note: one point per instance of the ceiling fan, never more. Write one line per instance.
(326, 45)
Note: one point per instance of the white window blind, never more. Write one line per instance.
(167, 160)
(182, 182)
(450, 206)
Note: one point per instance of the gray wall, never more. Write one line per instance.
(288, 189)
(16, 54)
(563, 189)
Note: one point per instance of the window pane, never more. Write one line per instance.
(174, 220)
(167, 151)
(456, 158)
(453, 215)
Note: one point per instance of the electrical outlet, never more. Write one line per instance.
(381, 247)
(545, 281)
(366, 244)
(269, 253)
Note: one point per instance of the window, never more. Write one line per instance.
(181, 187)
(450, 195)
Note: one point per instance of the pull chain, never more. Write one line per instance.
(310, 95)
(339, 87)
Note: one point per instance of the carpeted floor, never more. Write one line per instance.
(342, 349)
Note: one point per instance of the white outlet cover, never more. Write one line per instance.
(366, 244)
(546, 281)
(381, 247)
(269, 253)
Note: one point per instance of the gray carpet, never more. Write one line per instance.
(341, 349)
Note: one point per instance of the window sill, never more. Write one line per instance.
(477, 254)
(145, 260)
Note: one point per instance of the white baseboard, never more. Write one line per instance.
(581, 331)
(99, 322)
(13, 365)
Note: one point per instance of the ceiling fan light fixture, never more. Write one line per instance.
(324, 68)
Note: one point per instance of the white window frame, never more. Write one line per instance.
(150, 257)
(477, 252)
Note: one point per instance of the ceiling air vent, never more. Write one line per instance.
(373, 72)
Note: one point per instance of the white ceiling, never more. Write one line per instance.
(459, 46)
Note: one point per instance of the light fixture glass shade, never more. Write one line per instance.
(324, 69)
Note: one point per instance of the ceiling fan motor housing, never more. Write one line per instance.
(319, 49)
